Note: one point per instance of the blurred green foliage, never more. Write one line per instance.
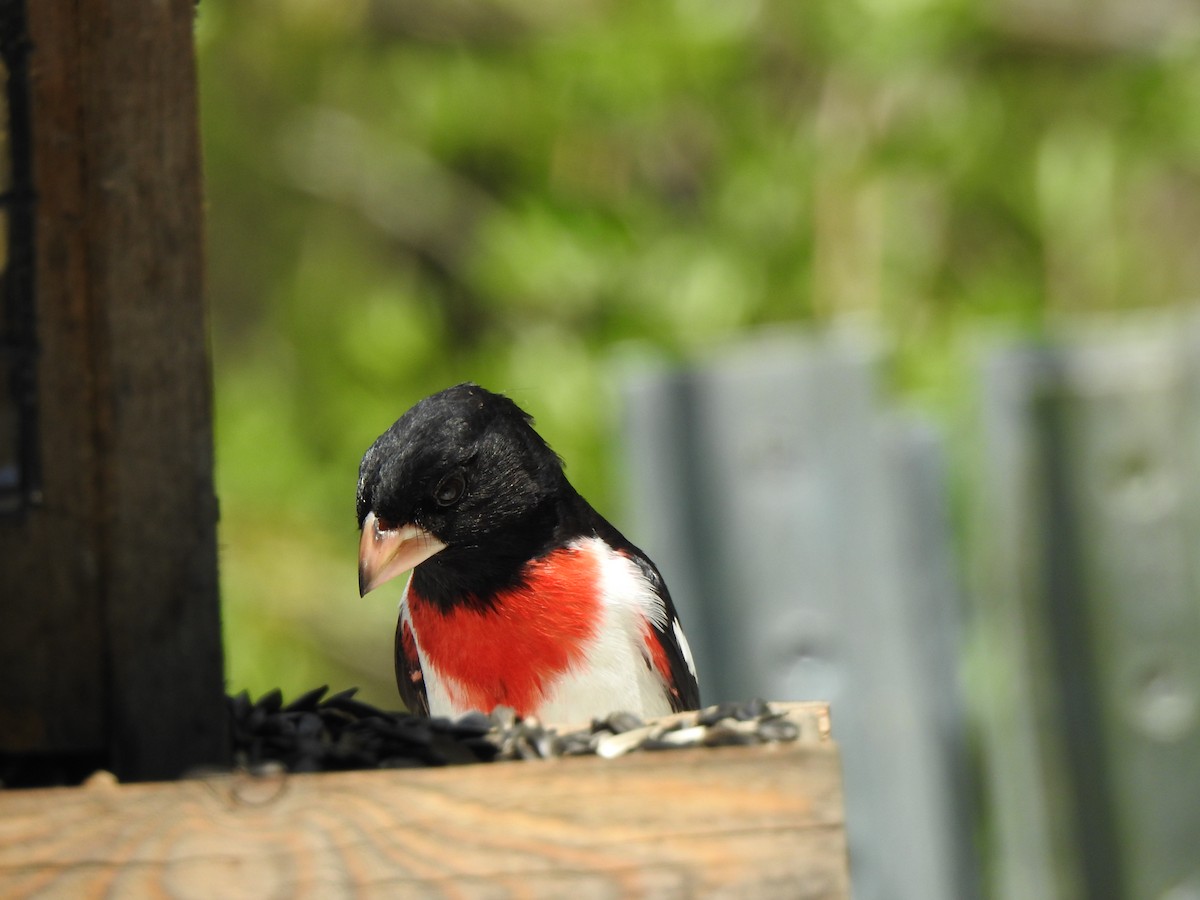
(404, 195)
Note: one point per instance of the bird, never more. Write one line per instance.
(521, 594)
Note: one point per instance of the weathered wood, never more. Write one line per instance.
(809, 533)
(110, 633)
(756, 822)
(51, 662)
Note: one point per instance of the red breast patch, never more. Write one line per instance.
(509, 654)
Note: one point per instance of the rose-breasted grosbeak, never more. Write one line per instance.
(521, 594)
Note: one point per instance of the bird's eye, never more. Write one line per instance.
(450, 489)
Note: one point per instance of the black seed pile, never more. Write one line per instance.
(317, 733)
(322, 732)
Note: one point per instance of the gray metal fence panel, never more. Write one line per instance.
(1092, 574)
(804, 535)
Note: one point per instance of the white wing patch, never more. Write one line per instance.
(623, 586)
(683, 646)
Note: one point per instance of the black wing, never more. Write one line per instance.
(683, 689)
(409, 677)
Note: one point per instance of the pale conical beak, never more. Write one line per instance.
(385, 553)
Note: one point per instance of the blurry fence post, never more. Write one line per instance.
(1088, 576)
(804, 537)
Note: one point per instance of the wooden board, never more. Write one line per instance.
(760, 822)
(51, 663)
(109, 628)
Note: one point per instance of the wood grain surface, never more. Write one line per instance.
(759, 822)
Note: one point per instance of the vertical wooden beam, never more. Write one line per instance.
(51, 651)
(123, 556)
(154, 422)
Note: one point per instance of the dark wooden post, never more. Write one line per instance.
(109, 624)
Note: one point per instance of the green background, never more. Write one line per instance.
(531, 195)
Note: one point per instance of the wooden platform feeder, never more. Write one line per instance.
(110, 654)
(761, 821)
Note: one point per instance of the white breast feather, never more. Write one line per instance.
(613, 673)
